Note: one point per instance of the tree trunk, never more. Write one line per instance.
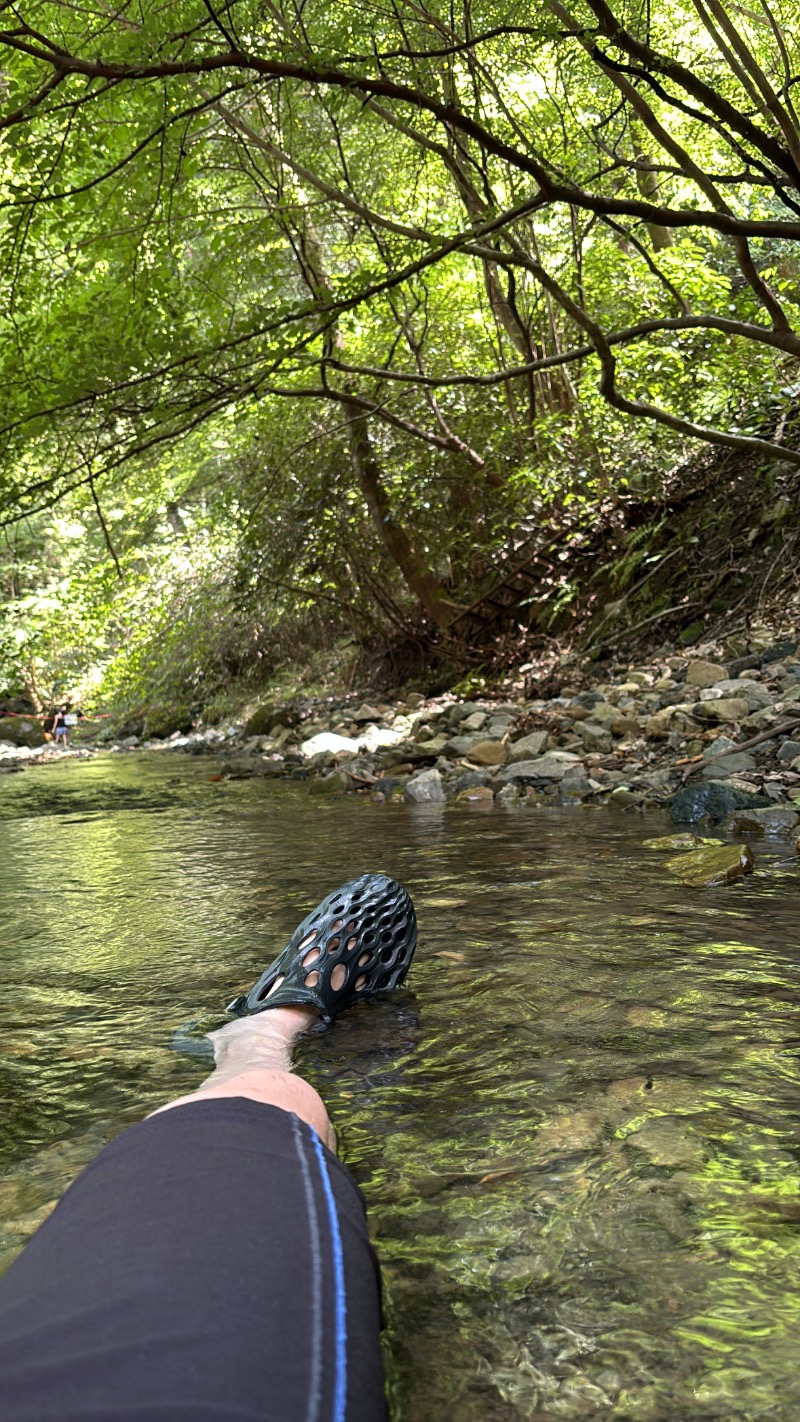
(398, 545)
(418, 577)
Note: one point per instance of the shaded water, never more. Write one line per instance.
(577, 1129)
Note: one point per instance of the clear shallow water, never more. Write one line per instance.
(577, 1129)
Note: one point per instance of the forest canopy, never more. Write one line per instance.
(323, 305)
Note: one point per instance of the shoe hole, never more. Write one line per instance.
(338, 977)
(368, 939)
(361, 982)
(351, 943)
(312, 979)
(265, 993)
(401, 955)
(311, 957)
(365, 957)
(337, 925)
(309, 938)
(351, 927)
(387, 935)
(387, 954)
(333, 944)
(338, 908)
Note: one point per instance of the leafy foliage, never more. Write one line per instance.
(364, 292)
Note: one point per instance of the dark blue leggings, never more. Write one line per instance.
(212, 1263)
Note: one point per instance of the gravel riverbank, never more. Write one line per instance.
(700, 734)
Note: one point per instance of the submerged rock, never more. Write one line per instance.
(712, 801)
(677, 841)
(710, 866)
(668, 1142)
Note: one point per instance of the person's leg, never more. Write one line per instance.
(253, 1058)
(213, 1262)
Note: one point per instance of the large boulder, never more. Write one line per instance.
(21, 731)
(272, 714)
(713, 801)
(163, 721)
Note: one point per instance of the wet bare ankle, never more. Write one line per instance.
(266, 1036)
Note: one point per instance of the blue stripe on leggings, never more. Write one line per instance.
(315, 1380)
(339, 1299)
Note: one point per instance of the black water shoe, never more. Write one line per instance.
(361, 938)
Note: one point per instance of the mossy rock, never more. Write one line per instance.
(691, 634)
(677, 841)
(710, 867)
(334, 784)
(21, 731)
(261, 721)
(273, 713)
(163, 721)
(134, 726)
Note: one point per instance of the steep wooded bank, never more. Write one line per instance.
(401, 325)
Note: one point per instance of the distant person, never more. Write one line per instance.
(60, 726)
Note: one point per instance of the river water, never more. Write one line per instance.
(577, 1127)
